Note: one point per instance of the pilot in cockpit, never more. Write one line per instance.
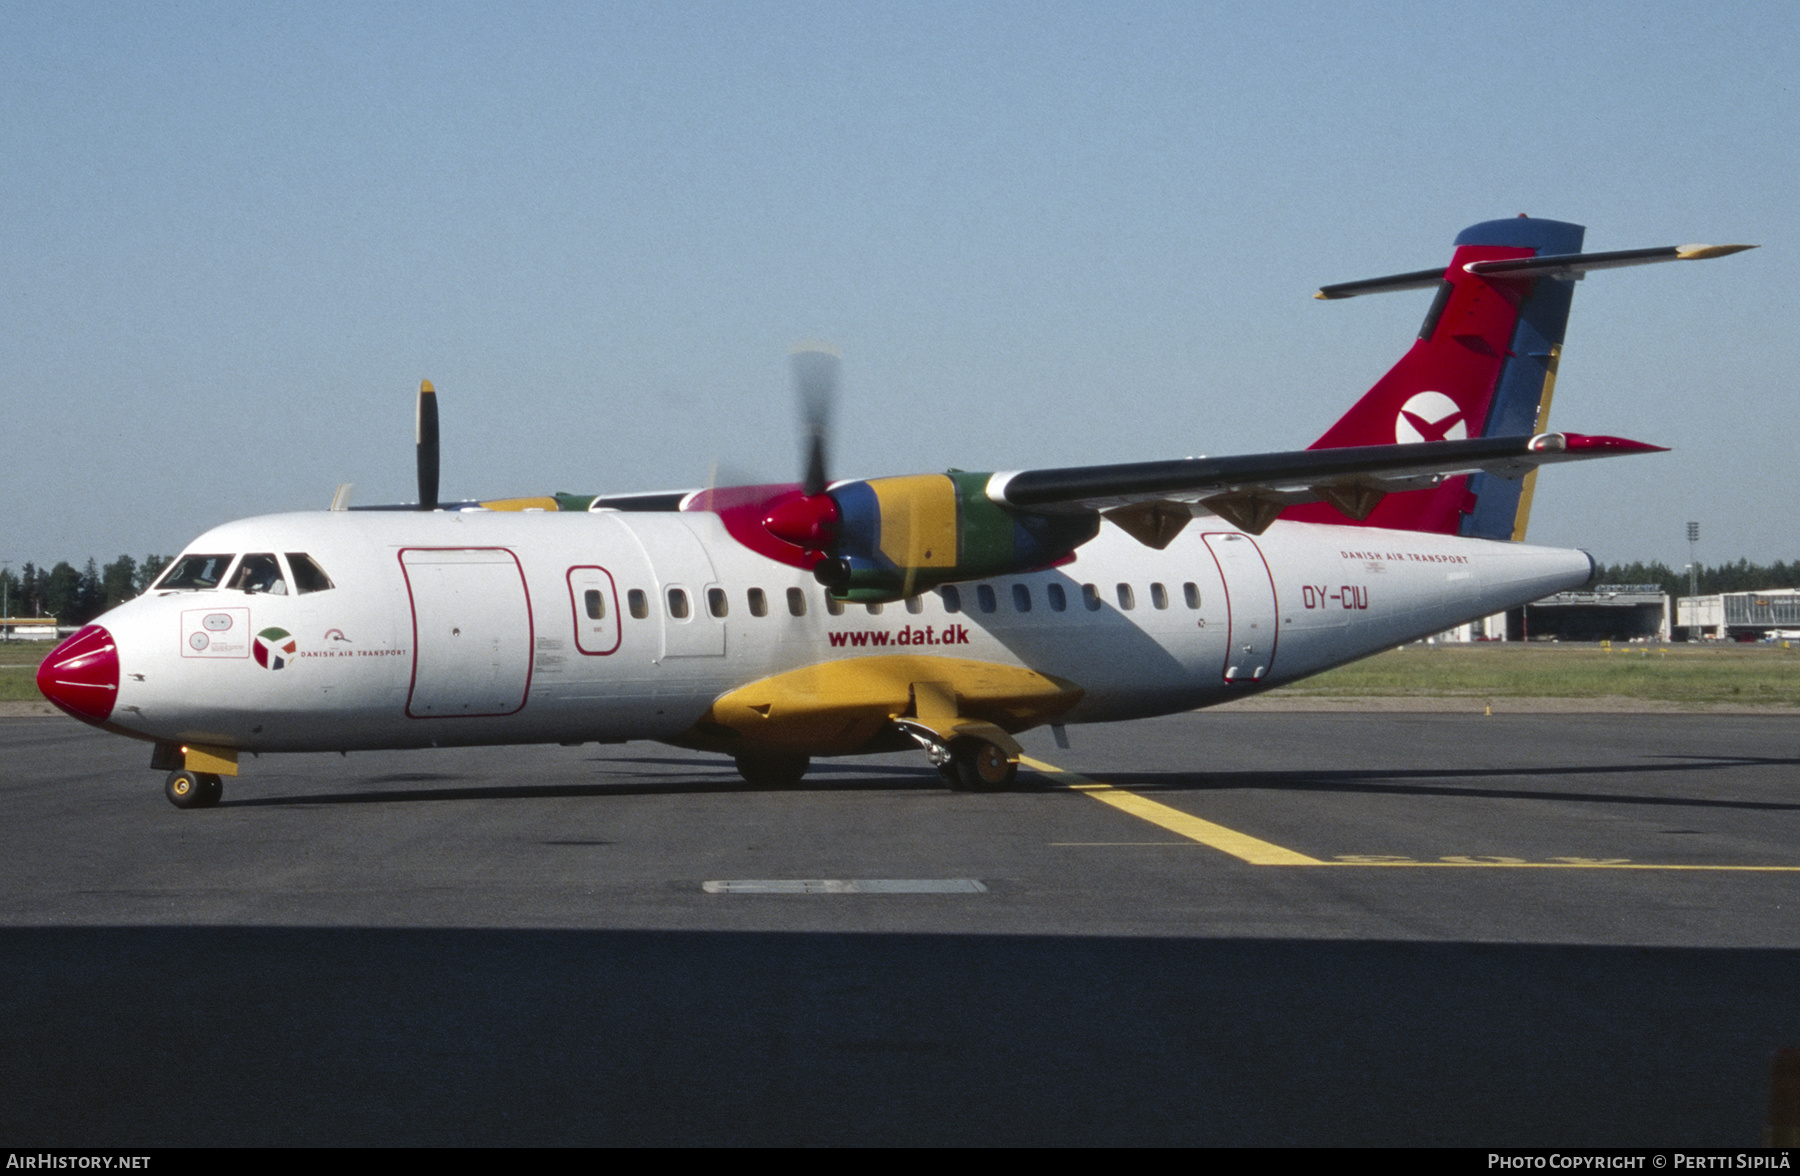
(260, 573)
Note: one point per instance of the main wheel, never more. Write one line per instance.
(772, 769)
(982, 767)
(187, 789)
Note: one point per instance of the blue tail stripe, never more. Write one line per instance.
(1519, 392)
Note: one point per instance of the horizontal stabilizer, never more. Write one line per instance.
(1417, 280)
(1572, 265)
(1566, 265)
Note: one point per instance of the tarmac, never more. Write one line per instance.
(1236, 927)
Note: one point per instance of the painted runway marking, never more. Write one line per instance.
(1265, 853)
(1239, 845)
(1464, 863)
(845, 886)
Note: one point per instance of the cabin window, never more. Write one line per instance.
(308, 575)
(638, 603)
(1190, 592)
(796, 601)
(678, 604)
(915, 605)
(952, 596)
(833, 605)
(260, 573)
(195, 571)
(1090, 597)
(594, 603)
(1022, 597)
(1059, 600)
(759, 604)
(1127, 599)
(1159, 596)
(716, 602)
(984, 597)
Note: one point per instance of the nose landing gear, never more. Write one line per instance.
(186, 789)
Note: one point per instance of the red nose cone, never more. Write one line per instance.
(82, 675)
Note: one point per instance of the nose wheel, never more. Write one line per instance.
(188, 790)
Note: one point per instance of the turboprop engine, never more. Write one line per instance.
(887, 538)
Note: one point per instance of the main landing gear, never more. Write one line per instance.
(773, 769)
(188, 790)
(975, 765)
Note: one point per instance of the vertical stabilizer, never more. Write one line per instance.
(1484, 365)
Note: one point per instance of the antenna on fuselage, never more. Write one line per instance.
(428, 446)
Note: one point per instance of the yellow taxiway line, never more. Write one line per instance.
(1266, 853)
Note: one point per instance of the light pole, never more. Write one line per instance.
(1693, 581)
(1693, 568)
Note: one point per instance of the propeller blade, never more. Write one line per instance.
(428, 446)
(815, 379)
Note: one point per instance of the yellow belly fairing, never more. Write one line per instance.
(840, 707)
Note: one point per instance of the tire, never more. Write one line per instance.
(982, 767)
(772, 769)
(186, 789)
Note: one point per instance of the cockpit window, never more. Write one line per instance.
(195, 571)
(260, 573)
(308, 575)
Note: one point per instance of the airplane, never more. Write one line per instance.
(944, 612)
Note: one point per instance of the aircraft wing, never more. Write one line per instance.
(1251, 490)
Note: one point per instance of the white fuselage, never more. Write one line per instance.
(478, 628)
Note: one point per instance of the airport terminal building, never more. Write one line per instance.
(1605, 612)
(1735, 616)
(1642, 612)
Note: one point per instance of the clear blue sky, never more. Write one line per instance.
(237, 235)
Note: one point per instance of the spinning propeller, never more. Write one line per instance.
(816, 367)
(811, 520)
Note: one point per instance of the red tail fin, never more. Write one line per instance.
(1482, 366)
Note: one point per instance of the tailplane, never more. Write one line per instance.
(1484, 365)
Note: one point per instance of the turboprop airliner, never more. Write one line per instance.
(946, 612)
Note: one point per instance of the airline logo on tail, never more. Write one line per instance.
(1430, 416)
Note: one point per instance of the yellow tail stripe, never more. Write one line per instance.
(1239, 845)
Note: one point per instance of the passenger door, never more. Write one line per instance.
(471, 632)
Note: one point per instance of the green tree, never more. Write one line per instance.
(92, 595)
(31, 585)
(150, 569)
(118, 581)
(62, 593)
